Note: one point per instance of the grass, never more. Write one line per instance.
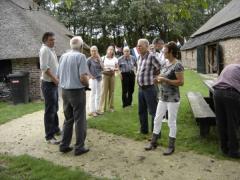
(26, 167)
(125, 122)
(9, 111)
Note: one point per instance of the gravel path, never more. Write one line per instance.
(113, 156)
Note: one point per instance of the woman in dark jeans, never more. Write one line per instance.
(227, 109)
(170, 78)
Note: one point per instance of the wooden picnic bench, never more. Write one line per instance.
(209, 100)
(209, 84)
(204, 115)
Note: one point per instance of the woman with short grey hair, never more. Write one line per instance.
(127, 67)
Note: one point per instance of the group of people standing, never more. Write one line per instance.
(71, 74)
(157, 71)
(102, 79)
(167, 74)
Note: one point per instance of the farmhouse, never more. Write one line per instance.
(216, 43)
(22, 24)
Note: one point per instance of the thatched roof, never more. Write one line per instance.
(21, 30)
(225, 24)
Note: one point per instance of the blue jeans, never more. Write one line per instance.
(147, 102)
(50, 93)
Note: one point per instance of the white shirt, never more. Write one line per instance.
(109, 63)
(48, 60)
(160, 57)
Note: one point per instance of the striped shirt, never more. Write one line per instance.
(127, 64)
(148, 65)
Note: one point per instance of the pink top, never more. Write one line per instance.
(229, 78)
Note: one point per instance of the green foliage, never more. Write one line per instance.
(9, 111)
(68, 3)
(133, 19)
(26, 167)
(125, 122)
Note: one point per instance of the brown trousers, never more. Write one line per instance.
(107, 95)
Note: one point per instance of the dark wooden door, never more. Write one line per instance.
(201, 65)
(5, 69)
(220, 62)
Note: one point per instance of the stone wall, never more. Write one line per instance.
(31, 66)
(189, 58)
(231, 50)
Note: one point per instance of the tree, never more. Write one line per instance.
(102, 22)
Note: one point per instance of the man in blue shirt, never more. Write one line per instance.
(73, 79)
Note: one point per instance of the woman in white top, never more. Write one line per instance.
(108, 84)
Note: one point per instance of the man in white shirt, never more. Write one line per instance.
(158, 46)
(48, 66)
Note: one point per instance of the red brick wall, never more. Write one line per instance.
(29, 65)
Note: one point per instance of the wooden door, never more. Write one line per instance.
(201, 65)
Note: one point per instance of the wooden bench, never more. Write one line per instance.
(209, 84)
(202, 112)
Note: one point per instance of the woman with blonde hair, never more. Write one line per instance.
(108, 85)
(95, 69)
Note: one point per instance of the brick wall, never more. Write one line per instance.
(189, 58)
(29, 65)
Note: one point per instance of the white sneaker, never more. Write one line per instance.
(165, 120)
(53, 141)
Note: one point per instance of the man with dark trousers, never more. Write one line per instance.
(227, 108)
(49, 86)
(148, 65)
(73, 79)
(127, 67)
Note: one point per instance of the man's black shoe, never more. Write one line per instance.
(81, 151)
(66, 149)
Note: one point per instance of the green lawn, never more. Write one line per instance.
(125, 121)
(9, 111)
(26, 167)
